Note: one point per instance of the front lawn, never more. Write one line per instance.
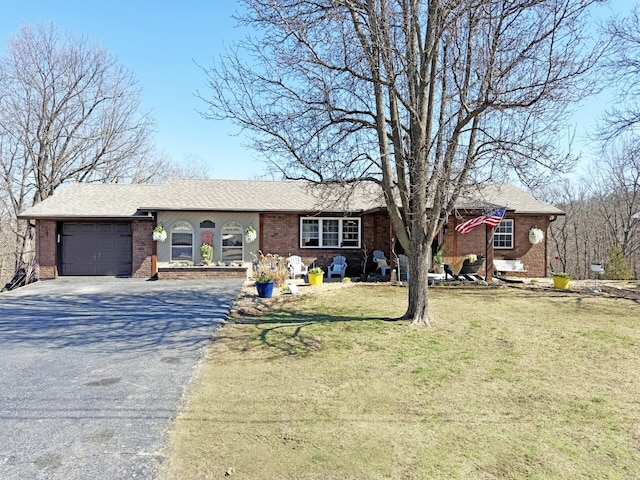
(507, 384)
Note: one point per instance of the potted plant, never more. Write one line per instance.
(561, 280)
(250, 234)
(315, 276)
(264, 285)
(206, 253)
(159, 234)
(438, 261)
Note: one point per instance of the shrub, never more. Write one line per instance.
(271, 266)
(561, 275)
(206, 252)
(617, 267)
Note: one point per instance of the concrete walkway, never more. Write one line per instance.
(92, 371)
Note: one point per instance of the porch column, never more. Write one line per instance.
(154, 258)
(488, 263)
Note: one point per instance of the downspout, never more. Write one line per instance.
(552, 218)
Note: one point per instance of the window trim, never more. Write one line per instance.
(341, 221)
(510, 235)
(235, 225)
(176, 224)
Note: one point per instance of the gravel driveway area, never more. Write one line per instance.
(93, 370)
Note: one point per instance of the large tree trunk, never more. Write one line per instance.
(418, 308)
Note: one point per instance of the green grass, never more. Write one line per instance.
(507, 384)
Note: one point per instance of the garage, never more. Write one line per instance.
(95, 249)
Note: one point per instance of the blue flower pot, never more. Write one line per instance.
(265, 289)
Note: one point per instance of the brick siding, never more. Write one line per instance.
(142, 245)
(280, 235)
(46, 247)
(200, 273)
(534, 257)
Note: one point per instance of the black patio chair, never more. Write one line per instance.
(469, 270)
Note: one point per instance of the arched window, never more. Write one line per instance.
(182, 242)
(232, 238)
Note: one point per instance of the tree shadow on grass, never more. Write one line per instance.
(290, 333)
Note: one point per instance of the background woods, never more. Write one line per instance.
(602, 224)
(603, 207)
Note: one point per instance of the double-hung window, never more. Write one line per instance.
(329, 232)
(503, 235)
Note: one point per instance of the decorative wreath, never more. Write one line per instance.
(535, 236)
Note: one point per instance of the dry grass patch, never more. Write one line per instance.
(507, 384)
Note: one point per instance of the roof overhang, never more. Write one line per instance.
(87, 218)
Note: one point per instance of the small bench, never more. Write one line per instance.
(504, 266)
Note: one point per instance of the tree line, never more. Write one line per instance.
(602, 222)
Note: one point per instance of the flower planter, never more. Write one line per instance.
(315, 278)
(265, 289)
(561, 283)
(250, 235)
(159, 235)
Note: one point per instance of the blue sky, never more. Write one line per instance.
(160, 41)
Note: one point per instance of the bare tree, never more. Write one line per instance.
(157, 167)
(616, 186)
(424, 98)
(580, 237)
(623, 69)
(68, 112)
(600, 211)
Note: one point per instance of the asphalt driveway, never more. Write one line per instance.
(92, 371)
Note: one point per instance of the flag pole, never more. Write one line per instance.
(489, 258)
(488, 265)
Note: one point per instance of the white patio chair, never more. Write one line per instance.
(338, 267)
(403, 268)
(296, 267)
(381, 261)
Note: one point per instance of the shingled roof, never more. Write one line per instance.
(128, 200)
(505, 195)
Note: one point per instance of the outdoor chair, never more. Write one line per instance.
(469, 269)
(338, 267)
(296, 267)
(381, 262)
(403, 268)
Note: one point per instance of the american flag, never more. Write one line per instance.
(492, 219)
